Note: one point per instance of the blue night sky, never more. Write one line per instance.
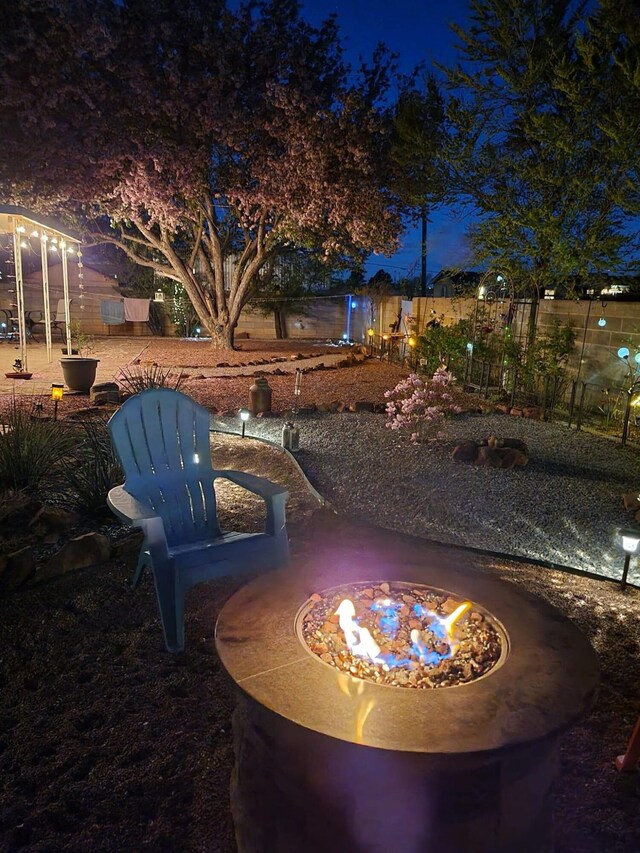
(418, 31)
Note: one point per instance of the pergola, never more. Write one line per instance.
(25, 227)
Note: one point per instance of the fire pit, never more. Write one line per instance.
(335, 751)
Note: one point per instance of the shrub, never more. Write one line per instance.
(420, 406)
(94, 467)
(440, 344)
(31, 449)
(136, 379)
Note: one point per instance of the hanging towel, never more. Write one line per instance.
(136, 310)
(111, 312)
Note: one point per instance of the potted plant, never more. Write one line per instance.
(79, 370)
(18, 371)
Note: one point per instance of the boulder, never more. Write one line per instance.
(515, 412)
(534, 412)
(78, 553)
(53, 519)
(16, 569)
(512, 458)
(104, 392)
(489, 457)
(631, 501)
(466, 451)
(515, 444)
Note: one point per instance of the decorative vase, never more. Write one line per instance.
(79, 372)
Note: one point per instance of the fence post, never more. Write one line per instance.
(572, 400)
(625, 422)
(582, 393)
(545, 394)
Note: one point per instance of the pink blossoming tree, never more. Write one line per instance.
(191, 136)
(420, 406)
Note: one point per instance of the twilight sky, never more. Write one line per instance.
(416, 30)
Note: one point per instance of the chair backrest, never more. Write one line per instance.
(60, 315)
(162, 440)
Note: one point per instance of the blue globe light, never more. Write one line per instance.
(637, 358)
(469, 347)
(623, 352)
(602, 321)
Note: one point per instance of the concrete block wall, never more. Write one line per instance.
(96, 287)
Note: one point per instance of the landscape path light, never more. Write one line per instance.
(630, 540)
(244, 417)
(57, 390)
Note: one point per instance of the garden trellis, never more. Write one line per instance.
(23, 227)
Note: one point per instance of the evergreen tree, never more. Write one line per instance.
(527, 148)
(417, 141)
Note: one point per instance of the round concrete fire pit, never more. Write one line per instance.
(325, 761)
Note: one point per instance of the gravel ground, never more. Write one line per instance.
(563, 508)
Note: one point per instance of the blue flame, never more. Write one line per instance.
(389, 619)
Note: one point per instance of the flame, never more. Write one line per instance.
(361, 642)
(358, 639)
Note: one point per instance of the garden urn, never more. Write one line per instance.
(260, 396)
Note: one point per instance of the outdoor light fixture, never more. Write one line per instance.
(411, 342)
(623, 352)
(57, 391)
(630, 540)
(602, 321)
(244, 417)
(158, 296)
(469, 347)
(370, 332)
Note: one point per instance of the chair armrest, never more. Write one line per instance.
(258, 485)
(132, 511)
(127, 508)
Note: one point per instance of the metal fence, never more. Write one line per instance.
(612, 410)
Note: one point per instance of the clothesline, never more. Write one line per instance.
(115, 312)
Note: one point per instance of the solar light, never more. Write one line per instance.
(469, 346)
(630, 539)
(57, 391)
(602, 321)
(411, 341)
(244, 417)
(370, 332)
(623, 352)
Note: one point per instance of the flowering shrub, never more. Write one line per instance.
(420, 405)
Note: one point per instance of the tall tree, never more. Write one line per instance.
(189, 134)
(417, 142)
(528, 150)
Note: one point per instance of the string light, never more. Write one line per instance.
(81, 279)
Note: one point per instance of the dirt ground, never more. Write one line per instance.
(109, 743)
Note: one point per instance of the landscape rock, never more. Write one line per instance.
(104, 392)
(91, 549)
(19, 566)
(363, 406)
(129, 545)
(534, 412)
(515, 412)
(53, 519)
(466, 451)
(631, 501)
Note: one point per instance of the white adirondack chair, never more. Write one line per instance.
(162, 439)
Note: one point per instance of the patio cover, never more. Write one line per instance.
(24, 225)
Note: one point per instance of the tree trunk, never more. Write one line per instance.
(222, 336)
(423, 251)
(280, 324)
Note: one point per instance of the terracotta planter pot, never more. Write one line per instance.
(79, 373)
